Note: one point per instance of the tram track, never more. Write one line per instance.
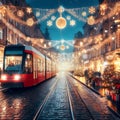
(94, 102)
(71, 93)
(61, 109)
(70, 102)
(42, 106)
(74, 97)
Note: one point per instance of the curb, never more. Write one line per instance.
(95, 91)
(114, 112)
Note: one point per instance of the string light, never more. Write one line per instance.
(30, 21)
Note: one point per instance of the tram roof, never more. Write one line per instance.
(29, 48)
(36, 51)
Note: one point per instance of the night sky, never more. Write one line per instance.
(65, 3)
(68, 32)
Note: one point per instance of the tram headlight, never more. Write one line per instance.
(3, 77)
(17, 77)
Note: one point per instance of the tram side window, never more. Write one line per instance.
(39, 61)
(43, 66)
(28, 63)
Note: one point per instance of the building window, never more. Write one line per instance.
(1, 34)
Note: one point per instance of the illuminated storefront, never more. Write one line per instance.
(1, 57)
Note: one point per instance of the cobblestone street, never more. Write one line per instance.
(24, 103)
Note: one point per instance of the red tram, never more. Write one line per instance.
(24, 66)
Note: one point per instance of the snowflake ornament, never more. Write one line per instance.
(49, 23)
(68, 17)
(72, 22)
(53, 18)
(92, 10)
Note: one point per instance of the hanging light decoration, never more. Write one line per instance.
(50, 44)
(72, 22)
(28, 38)
(2, 10)
(53, 18)
(29, 10)
(61, 9)
(45, 46)
(41, 40)
(67, 47)
(91, 10)
(49, 23)
(57, 47)
(103, 8)
(20, 13)
(30, 22)
(91, 20)
(37, 14)
(68, 17)
(61, 23)
(84, 13)
(62, 47)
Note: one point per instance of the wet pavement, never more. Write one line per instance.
(96, 104)
(114, 107)
(23, 104)
(57, 106)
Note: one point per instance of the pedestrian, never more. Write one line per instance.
(0, 71)
(86, 76)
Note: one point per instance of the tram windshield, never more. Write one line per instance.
(13, 64)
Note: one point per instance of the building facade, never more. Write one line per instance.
(101, 42)
(13, 27)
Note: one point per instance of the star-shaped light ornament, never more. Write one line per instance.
(29, 10)
(92, 10)
(49, 23)
(72, 22)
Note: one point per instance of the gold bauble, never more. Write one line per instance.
(91, 20)
(61, 23)
(62, 47)
(30, 22)
(20, 13)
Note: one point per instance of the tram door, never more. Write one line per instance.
(35, 74)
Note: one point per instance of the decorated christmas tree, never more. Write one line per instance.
(108, 74)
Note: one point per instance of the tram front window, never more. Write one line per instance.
(13, 63)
